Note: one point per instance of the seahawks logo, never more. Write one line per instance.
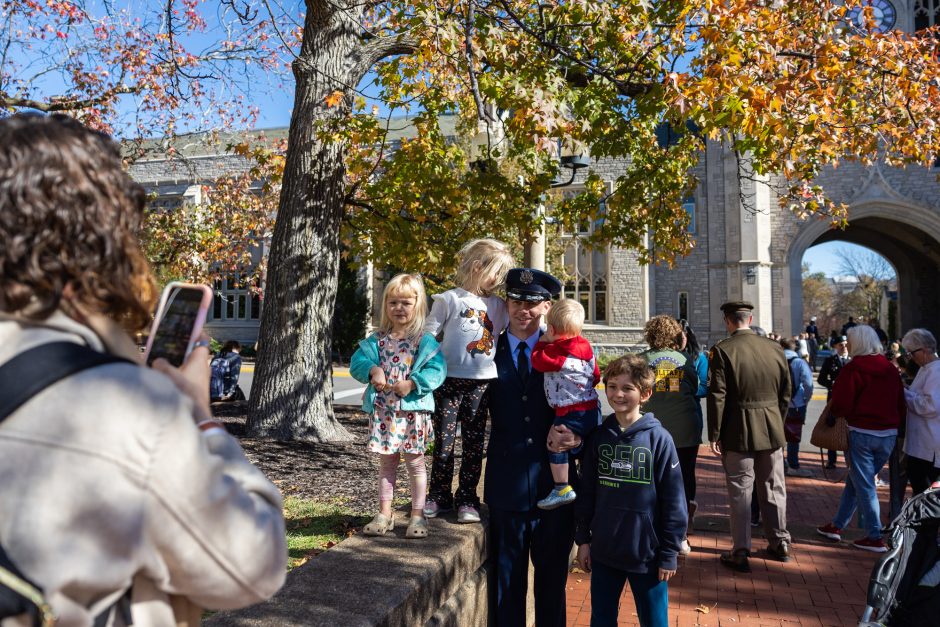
(622, 465)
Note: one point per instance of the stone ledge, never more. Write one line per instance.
(366, 581)
(466, 607)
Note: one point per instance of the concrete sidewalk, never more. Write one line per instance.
(824, 583)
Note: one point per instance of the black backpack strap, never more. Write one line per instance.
(19, 595)
(32, 371)
(22, 378)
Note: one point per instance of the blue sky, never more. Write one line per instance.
(824, 257)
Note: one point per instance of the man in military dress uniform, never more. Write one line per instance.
(748, 395)
(517, 467)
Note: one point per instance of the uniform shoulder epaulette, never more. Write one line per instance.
(711, 351)
(721, 341)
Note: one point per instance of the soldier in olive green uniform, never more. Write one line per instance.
(748, 394)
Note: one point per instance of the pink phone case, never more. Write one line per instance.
(199, 321)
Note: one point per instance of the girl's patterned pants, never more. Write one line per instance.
(462, 401)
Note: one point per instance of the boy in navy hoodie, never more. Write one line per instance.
(631, 511)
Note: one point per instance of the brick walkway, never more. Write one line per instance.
(824, 583)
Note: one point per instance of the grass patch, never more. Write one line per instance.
(314, 526)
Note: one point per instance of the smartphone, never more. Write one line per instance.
(178, 322)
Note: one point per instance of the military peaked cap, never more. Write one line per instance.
(737, 305)
(530, 285)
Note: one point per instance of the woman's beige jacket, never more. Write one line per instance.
(107, 483)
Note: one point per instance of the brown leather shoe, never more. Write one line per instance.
(781, 552)
(737, 560)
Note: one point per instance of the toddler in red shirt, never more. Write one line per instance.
(567, 361)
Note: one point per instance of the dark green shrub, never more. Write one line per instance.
(350, 315)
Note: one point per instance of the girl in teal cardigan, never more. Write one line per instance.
(403, 366)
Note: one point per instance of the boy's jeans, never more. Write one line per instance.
(649, 593)
(867, 456)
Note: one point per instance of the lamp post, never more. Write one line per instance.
(488, 139)
(534, 254)
(573, 163)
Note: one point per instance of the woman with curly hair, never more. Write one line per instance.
(120, 489)
(673, 401)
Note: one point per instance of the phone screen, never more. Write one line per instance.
(175, 330)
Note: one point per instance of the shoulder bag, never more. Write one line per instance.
(834, 438)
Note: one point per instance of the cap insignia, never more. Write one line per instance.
(526, 277)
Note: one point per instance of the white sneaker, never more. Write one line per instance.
(467, 514)
(432, 509)
(685, 548)
(556, 498)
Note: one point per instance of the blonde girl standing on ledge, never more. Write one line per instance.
(468, 319)
(402, 365)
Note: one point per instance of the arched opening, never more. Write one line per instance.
(908, 237)
(845, 282)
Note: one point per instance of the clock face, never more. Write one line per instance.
(883, 13)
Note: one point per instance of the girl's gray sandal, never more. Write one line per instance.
(379, 525)
(417, 528)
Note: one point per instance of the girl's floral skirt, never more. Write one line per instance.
(396, 431)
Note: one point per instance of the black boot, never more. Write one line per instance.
(737, 560)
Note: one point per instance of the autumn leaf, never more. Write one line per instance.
(334, 98)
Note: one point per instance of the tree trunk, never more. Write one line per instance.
(291, 396)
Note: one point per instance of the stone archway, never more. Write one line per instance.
(906, 235)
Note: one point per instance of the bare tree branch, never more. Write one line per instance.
(65, 104)
(864, 264)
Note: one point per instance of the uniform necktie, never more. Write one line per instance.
(522, 362)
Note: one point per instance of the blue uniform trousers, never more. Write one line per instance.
(548, 537)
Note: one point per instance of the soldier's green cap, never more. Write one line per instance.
(737, 305)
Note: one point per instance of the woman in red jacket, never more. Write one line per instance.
(870, 394)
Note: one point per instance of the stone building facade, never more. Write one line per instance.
(746, 245)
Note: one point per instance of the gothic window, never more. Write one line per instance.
(587, 270)
(233, 300)
(587, 283)
(689, 206)
(682, 306)
(926, 14)
(600, 300)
